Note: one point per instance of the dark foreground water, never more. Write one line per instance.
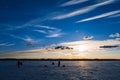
(73, 70)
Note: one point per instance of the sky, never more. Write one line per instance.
(90, 27)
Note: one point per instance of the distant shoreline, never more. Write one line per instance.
(12, 59)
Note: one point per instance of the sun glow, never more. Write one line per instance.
(82, 48)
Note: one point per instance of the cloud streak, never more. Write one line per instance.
(99, 16)
(45, 27)
(50, 31)
(6, 44)
(114, 16)
(54, 35)
(82, 10)
(27, 39)
(73, 2)
(41, 31)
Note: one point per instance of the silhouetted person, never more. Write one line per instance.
(63, 66)
(53, 63)
(45, 66)
(59, 63)
(19, 64)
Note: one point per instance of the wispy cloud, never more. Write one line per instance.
(41, 31)
(26, 39)
(82, 10)
(113, 16)
(88, 37)
(29, 39)
(30, 23)
(73, 2)
(54, 35)
(54, 31)
(99, 16)
(51, 32)
(45, 27)
(17, 37)
(38, 20)
(6, 44)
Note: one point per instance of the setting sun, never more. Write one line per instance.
(82, 48)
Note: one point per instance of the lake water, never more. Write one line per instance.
(73, 70)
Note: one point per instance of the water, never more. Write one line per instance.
(73, 70)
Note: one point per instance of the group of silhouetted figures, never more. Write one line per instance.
(20, 63)
(59, 64)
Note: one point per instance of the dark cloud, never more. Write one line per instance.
(63, 47)
(88, 37)
(109, 46)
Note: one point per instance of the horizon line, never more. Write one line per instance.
(51, 59)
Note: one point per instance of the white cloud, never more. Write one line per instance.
(33, 22)
(111, 35)
(6, 44)
(41, 31)
(54, 35)
(54, 31)
(118, 39)
(29, 41)
(46, 27)
(104, 3)
(82, 10)
(50, 31)
(115, 35)
(74, 13)
(100, 16)
(73, 2)
(88, 37)
(26, 39)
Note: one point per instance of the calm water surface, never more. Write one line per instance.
(73, 70)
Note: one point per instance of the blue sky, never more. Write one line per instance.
(46, 22)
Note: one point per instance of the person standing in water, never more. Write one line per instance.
(53, 63)
(59, 63)
(19, 64)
